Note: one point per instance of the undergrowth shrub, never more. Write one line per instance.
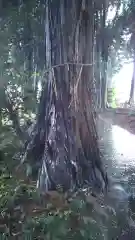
(27, 214)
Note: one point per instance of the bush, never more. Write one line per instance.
(28, 214)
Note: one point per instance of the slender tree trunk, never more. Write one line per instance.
(28, 40)
(104, 55)
(104, 86)
(132, 89)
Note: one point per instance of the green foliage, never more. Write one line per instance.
(26, 215)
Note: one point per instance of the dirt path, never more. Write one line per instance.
(120, 117)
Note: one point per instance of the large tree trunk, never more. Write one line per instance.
(65, 140)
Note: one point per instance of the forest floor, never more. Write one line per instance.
(120, 117)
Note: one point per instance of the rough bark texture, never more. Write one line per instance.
(64, 141)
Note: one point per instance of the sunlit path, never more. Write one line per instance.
(124, 143)
(118, 149)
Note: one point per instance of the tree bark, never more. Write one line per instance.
(132, 89)
(66, 134)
